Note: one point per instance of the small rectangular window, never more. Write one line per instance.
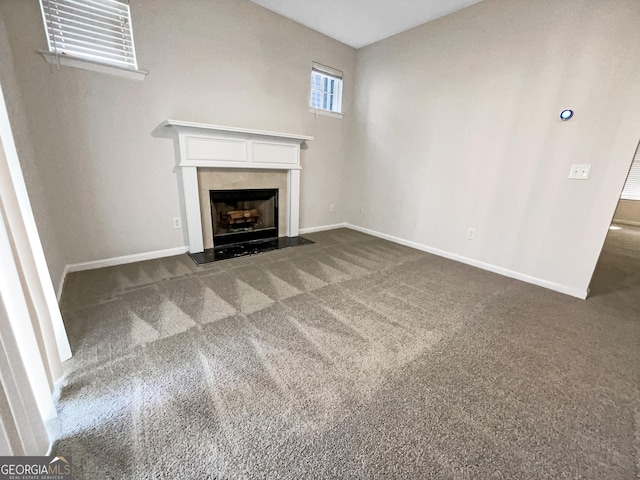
(326, 88)
(95, 30)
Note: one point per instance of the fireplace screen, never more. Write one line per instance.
(243, 215)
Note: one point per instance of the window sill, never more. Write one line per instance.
(326, 113)
(76, 62)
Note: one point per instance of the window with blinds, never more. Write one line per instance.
(326, 88)
(95, 30)
(631, 190)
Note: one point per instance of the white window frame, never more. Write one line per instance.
(330, 74)
(631, 189)
(94, 35)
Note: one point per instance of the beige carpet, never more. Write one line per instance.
(350, 358)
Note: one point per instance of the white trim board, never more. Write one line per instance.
(322, 228)
(582, 294)
(626, 222)
(111, 262)
(139, 257)
(85, 64)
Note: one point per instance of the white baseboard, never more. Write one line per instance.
(63, 277)
(139, 257)
(110, 262)
(322, 228)
(626, 222)
(582, 294)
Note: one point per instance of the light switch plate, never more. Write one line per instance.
(580, 172)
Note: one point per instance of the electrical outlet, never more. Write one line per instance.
(580, 172)
(471, 233)
(333, 207)
(177, 222)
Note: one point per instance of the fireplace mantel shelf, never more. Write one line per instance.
(214, 146)
(221, 128)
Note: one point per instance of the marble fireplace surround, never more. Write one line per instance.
(237, 179)
(214, 157)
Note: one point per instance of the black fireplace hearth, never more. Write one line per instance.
(243, 249)
(245, 222)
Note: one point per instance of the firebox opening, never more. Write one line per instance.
(243, 215)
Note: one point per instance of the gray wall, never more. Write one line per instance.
(108, 185)
(458, 127)
(42, 209)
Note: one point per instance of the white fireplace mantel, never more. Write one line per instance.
(214, 146)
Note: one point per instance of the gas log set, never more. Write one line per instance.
(240, 219)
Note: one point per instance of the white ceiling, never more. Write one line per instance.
(361, 22)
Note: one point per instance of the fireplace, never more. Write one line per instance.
(243, 215)
(221, 158)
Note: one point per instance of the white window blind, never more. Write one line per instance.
(326, 88)
(95, 30)
(631, 190)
